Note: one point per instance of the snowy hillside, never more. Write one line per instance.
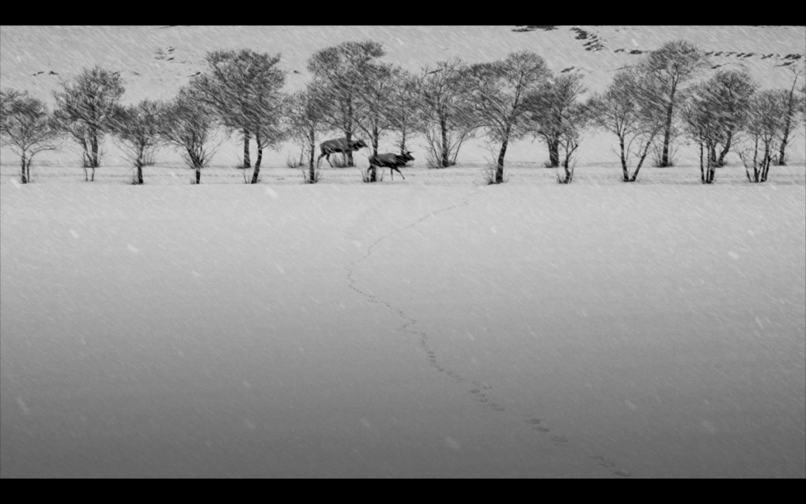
(156, 61)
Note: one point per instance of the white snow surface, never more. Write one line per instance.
(405, 329)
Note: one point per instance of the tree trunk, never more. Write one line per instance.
(443, 125)
(198, 175)
(259, 156)
(625, 172)
(767, 160)
(348, 135)
(139, 180)
(499, 168)
(702, 169)
(256, 171)
(92, 178)
(23, 171)
(554, 153)
(721, 161)
(667, 133)
(712, 155)
(94, 162)
(784, 140)
(349, 132)
(566, 162)
(311, 167)
(641, 161)
(313, 151)
(403, 143)
(787, 125)
(247, 161)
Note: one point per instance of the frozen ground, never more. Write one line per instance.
(427, 328)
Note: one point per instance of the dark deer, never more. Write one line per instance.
(329, 147)
(391, 161)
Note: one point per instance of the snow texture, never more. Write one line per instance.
(426, 331)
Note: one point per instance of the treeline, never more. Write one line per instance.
(649, 108)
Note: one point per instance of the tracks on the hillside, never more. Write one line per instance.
(480, 392)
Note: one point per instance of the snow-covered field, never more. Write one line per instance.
(425, 328)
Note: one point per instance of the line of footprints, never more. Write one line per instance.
(480, 390)
(480, 394)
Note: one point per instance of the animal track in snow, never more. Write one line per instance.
(479, 391)
(410, 322)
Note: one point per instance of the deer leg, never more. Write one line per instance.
(400, 172)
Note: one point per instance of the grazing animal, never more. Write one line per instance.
(391, 161)
(329, 147)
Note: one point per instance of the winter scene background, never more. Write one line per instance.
(530, 306)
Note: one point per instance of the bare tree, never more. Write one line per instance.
(341, 69)
(27, 128)
(575, 120)
(265, 120)
(447, 117)
(243, 88)
(627, 110)
(790, 115)
(498, 91)
(306, 122)
(727, 95)
(550, 107)
(763, 133)
(188, 124)
(376, 93)
(702, 125)
(84, 110)
(139, 129)
(405, 111)
(674, 65)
